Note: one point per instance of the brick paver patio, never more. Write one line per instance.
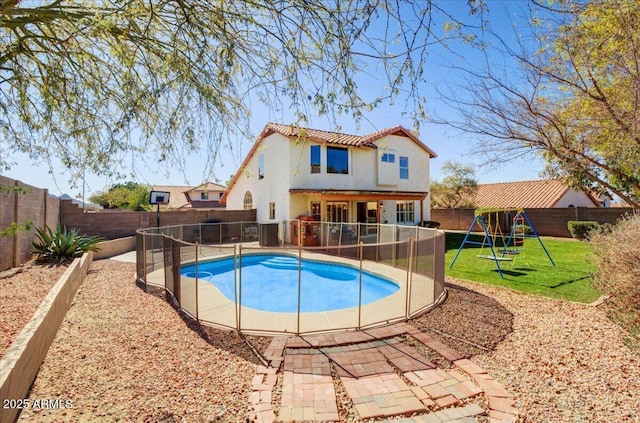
(382, 376)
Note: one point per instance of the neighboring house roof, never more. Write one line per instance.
(208, 186)
(543, 193)
(179, 195)
(327, 137)
(204, 204)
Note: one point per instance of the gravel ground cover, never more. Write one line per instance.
(565, 362)
(21, 291)
(123, 354)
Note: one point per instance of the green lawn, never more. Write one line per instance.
(530, 271)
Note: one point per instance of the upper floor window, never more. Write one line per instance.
(404, 167)
(261, 166)
(315, 159)
(389, 157)
(248, 201)
(204, 195)
(337, 160)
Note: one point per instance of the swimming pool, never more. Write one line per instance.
(270, 283)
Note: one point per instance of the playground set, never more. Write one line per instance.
(510, 245)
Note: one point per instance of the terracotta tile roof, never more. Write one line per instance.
(318, 135)
(329, 137)
(208, 204)
(544, 193)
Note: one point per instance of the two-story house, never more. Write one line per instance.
(382, 177)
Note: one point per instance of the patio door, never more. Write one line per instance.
(367, 212)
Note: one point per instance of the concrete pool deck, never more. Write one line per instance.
(207, 303)
(381, 372)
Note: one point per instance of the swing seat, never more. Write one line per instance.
(494, 258)
(510, 252)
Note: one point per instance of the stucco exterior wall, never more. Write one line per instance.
(287, 165)
(575, 199)
(274, 187)
(419, 162)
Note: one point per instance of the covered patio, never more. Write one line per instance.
(327, 205)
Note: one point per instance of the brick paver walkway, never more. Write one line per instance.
(307, 388)
(382, 375)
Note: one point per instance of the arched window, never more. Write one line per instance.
(248, 200)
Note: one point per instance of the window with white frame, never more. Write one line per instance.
(272, 211)
(337, 160)
(248, 201)
(404, 167)
(405, 211)
(261, 166)
(388, 158)
(204, 195)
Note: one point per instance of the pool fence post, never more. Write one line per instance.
(378, 230)
(144, 259)
(393, 250)
(409, 272)
(433, 256)
(220, 235)
(237, 279)
(360, 290)
(299, 286)
(197, 281)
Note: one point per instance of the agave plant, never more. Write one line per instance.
(62, 245)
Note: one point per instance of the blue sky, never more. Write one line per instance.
(449, 144)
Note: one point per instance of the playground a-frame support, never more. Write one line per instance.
(480, 218)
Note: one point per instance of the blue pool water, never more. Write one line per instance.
(270, 283)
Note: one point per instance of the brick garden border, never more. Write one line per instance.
(22, 360)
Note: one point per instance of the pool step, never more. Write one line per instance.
(280, 262)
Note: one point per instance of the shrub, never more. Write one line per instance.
(62, 245)
(617, 262)
(581, 228)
